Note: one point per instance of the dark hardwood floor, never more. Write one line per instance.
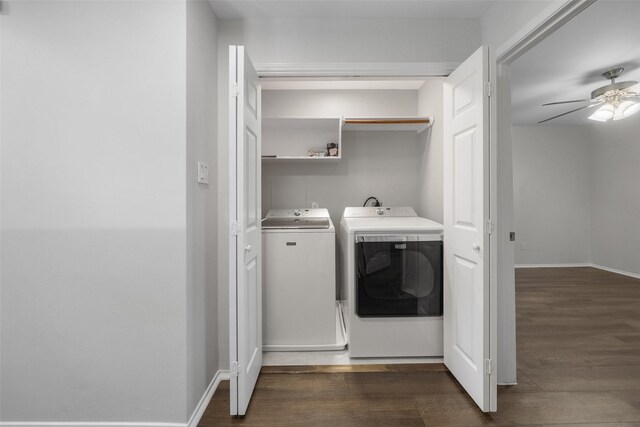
(578, 335)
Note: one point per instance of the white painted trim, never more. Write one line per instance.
(86, 424)
(371, 69)
(613, 270)
(565, 265)
(221, 375)
(549, 20)
(599, 267)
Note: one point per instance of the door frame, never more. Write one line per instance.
(549, 20)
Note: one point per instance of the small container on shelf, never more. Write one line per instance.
(316, 153)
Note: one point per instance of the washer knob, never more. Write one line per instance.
(380, 211)
(297, 212)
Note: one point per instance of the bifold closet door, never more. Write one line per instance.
(245, 246)
(469, 303)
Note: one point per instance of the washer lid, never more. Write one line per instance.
(296, 223)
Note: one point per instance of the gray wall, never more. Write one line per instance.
(202, 200)
(615, 195)
(93, 211)
(430, 185)
(575, 192)
(551, 179)
(353, 40)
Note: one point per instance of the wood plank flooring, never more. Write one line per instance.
(578, 336)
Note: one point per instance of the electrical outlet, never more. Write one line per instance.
(315, 205)
(523, 246)
(203, 173)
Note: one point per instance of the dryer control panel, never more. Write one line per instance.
(372, 212)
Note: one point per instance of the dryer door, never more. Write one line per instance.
(398, 276)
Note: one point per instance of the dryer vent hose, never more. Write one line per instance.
(375, 203)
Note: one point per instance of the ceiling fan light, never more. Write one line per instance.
(629, 109)
(603, 114)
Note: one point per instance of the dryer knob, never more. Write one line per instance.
(297, 212)
(380, 211)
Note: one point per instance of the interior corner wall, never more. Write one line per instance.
(505, 260)
(202, 200)
(93, 215)
(504, 19)
(552, 194)
(229, 33)
(615, 195)
(430, 177)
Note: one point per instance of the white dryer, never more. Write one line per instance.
(299, 282)
(391, 275)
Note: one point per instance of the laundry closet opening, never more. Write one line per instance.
(335, 143)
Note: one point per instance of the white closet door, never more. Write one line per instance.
(245, 308)
(467, 290)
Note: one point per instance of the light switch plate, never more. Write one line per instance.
(203, 173)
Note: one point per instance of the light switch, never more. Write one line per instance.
(203, 173)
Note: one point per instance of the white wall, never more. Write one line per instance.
(615, 195)
(202, 200)
(93, 315)
(381, 164)
(551, 178)
(430, 185)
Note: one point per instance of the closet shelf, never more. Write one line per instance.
(326, 159)
(293, 138)
(416, 124)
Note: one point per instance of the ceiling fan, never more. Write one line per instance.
(615, 100)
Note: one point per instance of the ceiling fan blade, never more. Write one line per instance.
(566, 102)
(571, 111)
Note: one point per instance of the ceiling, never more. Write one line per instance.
(568, 64)
(453, 9)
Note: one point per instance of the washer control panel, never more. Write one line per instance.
(298, 213)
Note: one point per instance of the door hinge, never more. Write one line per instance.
(489, 366)
(234, 90)
(235, 228)
(488, 89)
(235, 369)
(489, 226)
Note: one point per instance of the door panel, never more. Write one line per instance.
(245, 242)
(467, 311)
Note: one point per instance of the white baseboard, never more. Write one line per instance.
(193, 421)
(86, 424)
(599, 267)
(206, 398)
(613, 270)
(578, 264)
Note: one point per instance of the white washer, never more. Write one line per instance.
(391, 282)
(299, 282)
